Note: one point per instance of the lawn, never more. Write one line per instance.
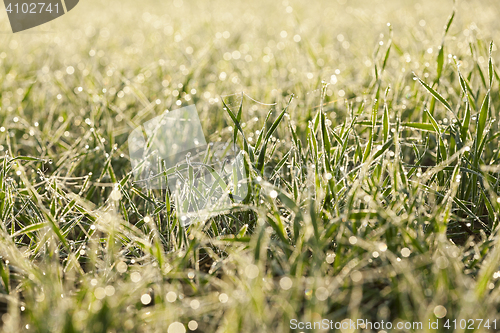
(368, 132)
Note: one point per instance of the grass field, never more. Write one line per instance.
(373, 152)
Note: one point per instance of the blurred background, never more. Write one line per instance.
(221, 47)
(128, 55)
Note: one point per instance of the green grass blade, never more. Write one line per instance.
(435, 94)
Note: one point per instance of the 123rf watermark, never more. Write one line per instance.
(360, 325)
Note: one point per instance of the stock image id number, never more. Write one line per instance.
(471, 324)
(32, 8)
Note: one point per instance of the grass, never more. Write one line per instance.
(373, 154)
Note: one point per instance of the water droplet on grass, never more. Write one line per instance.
(145, 299)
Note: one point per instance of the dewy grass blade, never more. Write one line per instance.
(440, 57)
(440, 62)
(435, 94)
(450, 21)
(238, 117)
(385, 122)
(433, 122)
(386, 57)
(481, 122)
(371, 138)
(490, 65)
(274, 126)
(420, 126)
(246, 147)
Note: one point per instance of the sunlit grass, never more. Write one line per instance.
(373, 153)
